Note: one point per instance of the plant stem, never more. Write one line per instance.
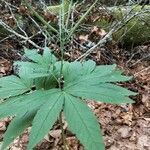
(61, 32)
(61, 38)
(81, 19)
(69, 13)
(40, 17)
(62, 132)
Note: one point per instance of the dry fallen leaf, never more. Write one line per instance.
(125, 131)
(102, 33)
(24, 138)
(83, 38)
(3, 126)
(99, 32)
(55, 133)
(143, 142)
(127, 118)
(5, 66)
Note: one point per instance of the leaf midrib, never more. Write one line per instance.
(82, 120)
(95, 93)
(82, 79)
(48, 114)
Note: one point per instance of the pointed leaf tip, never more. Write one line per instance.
(17, 126)
(45, 118)
(83, 123)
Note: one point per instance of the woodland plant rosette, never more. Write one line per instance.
(38, 92)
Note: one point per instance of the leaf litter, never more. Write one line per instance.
(125, 127)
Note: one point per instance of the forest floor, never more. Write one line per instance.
(124, 127)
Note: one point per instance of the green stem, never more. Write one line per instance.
(81, 19)
(62, 132)
(61, 32)
(40, 17)
(69, 13)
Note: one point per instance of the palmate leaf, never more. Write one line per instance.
(34, 56)
(12, 86)
(95, 85)
(24, 103)
(42, 77)
(39, 72)
(76, 72)
(46, 59)
(45, 118)
(33, 70)
(42, 100)
(49, 103)
(83, 123)
(39, 66)
(17, 126)
(104, 92)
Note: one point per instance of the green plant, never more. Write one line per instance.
(42, 90)
(63, 10)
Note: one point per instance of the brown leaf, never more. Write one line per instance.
(83, 38)
(98, 31)
(125, 131)
(55, 133)
(127, 118)
(24, 138)
(5, 66)
(143, 141)
(102, 33)
(2, 125)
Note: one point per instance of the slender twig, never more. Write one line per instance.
(10, 36)
(145, 69)
(51, 28)
(147, 56)
(115, 28)
(17, 23)
(44, 32)
(68, 14)
(102, 42)
(8, 28)
(81, 19)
